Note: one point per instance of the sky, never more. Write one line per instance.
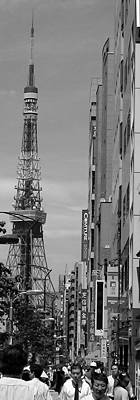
(69, 37)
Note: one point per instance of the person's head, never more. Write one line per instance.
(123, 380)
(76, 371)
(26, 375)
(14, 359)
(114, 370)
(36, 370)
(93, 365)
(99, 384)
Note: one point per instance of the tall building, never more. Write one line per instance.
(91, 220)
(126, 179)
(114, 181)
(27, 259)
(103, 190)
(100, 195)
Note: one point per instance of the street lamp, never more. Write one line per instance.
(44, 291)
(57, 348)
(45, 279)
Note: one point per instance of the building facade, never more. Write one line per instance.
(126, 178)
(100, 196)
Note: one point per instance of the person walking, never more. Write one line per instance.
(99, 384)
(41, 389)
(112, 380)
(89, 372)
(11, 385)
(125, 382)
(75, 388)
(120, 390)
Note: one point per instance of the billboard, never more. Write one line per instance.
(99, 310)
(137, 13)
(112, 287)
(84, 243)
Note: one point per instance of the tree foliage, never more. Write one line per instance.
(29, 327)
(32, 331)
(8, 289)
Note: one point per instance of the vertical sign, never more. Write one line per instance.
(83, 307)
(99, 310)
(138, 13)
(103, 348)
(84, 244)
(91, 327)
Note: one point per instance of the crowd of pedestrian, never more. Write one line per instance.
(31, 382)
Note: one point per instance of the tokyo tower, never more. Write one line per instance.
(27, 259)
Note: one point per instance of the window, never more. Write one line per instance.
(121, 77)
(93, 181)
(126, 10)
(93, 156)
(90, 295)
(121, 127)
(122, 279)
(132, 131)
(119, 201)
(92, 268)
(129, 55)
(125, 75)
(131, 211)
(92, 240)
(124, 210)
(122, 15)
(124, 142)
(128, 127)
(126, 277)
(127, 201)
(93, 210)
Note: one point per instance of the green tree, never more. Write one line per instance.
(32, 331)
(8, 289)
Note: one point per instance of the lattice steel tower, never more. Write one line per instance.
(27, 259)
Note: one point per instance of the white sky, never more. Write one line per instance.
(69, 36)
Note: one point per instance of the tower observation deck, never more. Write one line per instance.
(27, 259)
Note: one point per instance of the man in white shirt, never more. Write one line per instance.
(75, 388)
(41, 389)
(111, 380)
(11, 386)
(120, 391)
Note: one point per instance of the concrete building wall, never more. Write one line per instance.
(107, 120)
(103, 111)
(91, 205)
(98, 161)
(118, 128)
(126, 177)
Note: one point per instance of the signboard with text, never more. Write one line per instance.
(84, 243)
(83, 307)
(112, 286)
(99, 304)
(138, 13)
(91, 326)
